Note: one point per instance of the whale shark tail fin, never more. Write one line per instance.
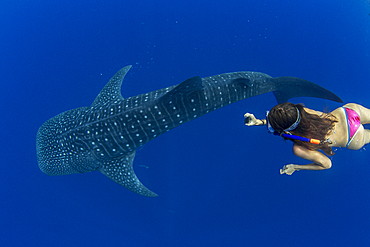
(290, 87)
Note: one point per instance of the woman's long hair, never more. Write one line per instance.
(282, 116)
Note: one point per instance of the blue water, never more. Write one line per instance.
(218, 181)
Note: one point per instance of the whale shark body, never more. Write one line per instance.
(104, 136)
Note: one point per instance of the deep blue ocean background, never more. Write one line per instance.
(218, 181)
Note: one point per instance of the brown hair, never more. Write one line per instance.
(282, 116)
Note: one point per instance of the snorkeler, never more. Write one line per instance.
(312, 130)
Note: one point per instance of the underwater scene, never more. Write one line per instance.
(165, 159)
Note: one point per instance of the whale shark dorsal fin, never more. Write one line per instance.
(121, 171)
(183, 89)
(290, 87)
(243, 81)
(112, 90)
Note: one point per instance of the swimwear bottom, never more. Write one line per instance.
(353, 122)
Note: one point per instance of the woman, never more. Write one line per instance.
(342, 127)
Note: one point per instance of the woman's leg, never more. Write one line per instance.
(361, 138)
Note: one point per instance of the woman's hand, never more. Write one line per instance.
(288, 169)
(250, 119)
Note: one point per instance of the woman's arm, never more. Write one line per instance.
(251, 120)
(320, 161)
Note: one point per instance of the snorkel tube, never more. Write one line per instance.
(299, 138)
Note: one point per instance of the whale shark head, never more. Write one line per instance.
(56, 153)
(94, 138)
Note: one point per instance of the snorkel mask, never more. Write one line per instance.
(286, 132)
(292, 127)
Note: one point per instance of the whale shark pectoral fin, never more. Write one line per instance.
(122, 172)
(290, 87)
(112, 90)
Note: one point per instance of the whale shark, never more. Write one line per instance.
(104, 136)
